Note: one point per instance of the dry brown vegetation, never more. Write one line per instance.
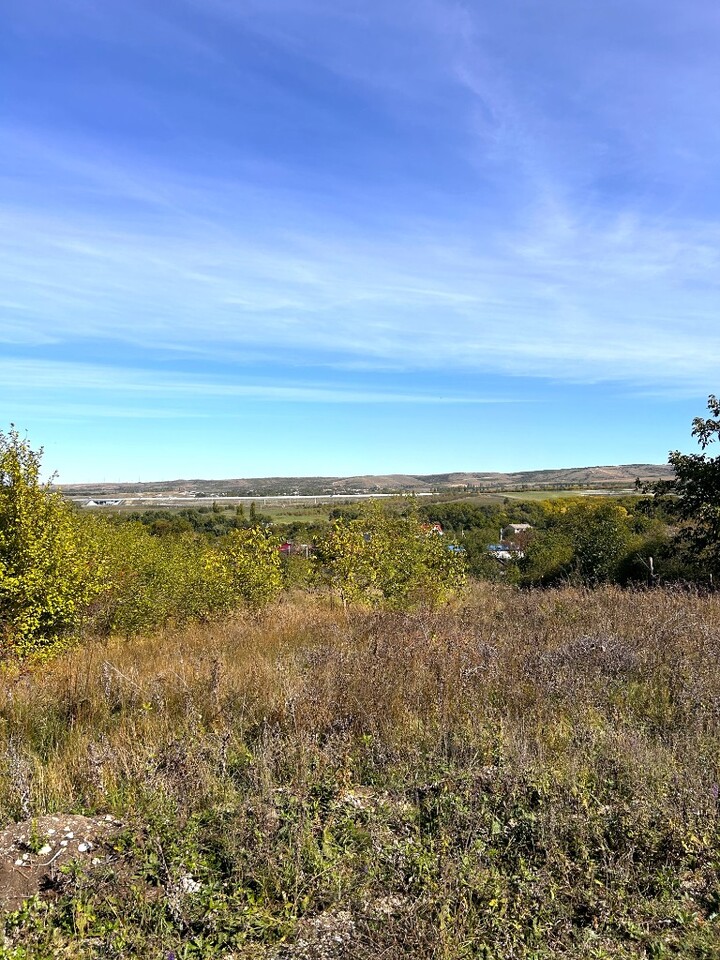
(528, 775)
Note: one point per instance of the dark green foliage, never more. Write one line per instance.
(210, 521)
(301, 532)
(548, 558)
(693, 497)
(601, 539)
(598, 541)
(463, 515)
(479, 563)
(170, 527)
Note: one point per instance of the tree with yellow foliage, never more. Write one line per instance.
(49, 566)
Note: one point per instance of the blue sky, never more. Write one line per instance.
(312, 237)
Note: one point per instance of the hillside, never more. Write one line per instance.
(594, 476)
(324, 783)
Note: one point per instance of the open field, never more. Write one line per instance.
(608, 491)
(526, 775)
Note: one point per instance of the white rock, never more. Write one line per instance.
(43, 851)
(189, 885)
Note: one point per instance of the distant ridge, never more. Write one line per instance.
(597, 476)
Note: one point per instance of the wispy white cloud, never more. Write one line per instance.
(82, 412)
(619, 297)
(539, 268)
(23, 379)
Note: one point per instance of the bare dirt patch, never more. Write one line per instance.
(33, 851)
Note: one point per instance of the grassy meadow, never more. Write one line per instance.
(523, 774)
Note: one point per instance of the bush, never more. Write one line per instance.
(154, 580)
(389, 561)
(254, 565)
(60, 570)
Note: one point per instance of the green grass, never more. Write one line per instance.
(538, 495)
(301, 514)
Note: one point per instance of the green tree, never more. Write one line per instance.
(693, 496)
(584, 540)
(601, 537)
(548, 557)
(50, 566)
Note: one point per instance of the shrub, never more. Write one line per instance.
(60, 570)
(154, 580)
(389, 561)
(254, 566)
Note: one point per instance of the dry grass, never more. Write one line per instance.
(528, 775)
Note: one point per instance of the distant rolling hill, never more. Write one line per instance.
(623, 475)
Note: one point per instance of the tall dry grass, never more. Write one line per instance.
(528, 774)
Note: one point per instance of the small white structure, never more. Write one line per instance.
(504, 553)
(515, 528)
